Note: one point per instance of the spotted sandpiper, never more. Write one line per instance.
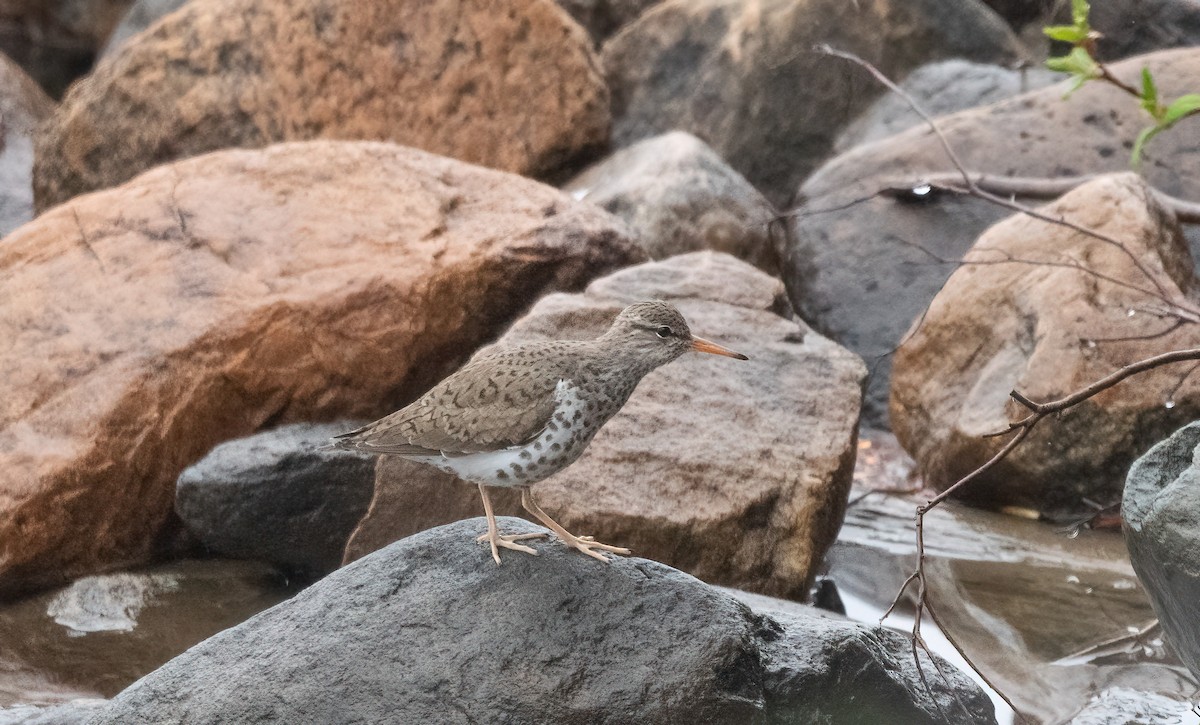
(519, 415)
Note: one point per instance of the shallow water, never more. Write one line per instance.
(1051, 616)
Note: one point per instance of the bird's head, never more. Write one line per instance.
(657, 333)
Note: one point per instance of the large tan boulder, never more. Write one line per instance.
(211, 297)
(510, 84)
(23, 106)
(861, 266)
(1044, 327)
(743, 75)
(736, 472)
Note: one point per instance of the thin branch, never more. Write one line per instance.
(969, 184)
(1187, 212)
(825, 49)
(965, 182)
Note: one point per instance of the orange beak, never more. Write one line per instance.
(699, 344)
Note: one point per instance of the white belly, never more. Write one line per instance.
(554, 448)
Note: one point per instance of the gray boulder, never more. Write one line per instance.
(940, 88)
(430, 630)
(1161, 514)
(278, 497)
(678, 196)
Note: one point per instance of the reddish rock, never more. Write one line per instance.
(1045, 328)
(736, 472)
(511, 84)
(210, 297)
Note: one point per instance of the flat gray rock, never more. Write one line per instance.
(431, 630)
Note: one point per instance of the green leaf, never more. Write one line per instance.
(1147, 133)
(1079, 13)
(1077, 62)
(1065, 33)
(1150, 95)
(1180, 107)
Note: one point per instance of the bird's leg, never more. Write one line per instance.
(493, 536)
(584, 543)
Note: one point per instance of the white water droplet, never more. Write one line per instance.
(1091, 343)
(922, 190)
(1124, 585)
(1130, 313)
(1089, 590)
(1072, 579)
(1169, 404)
(1073, 534)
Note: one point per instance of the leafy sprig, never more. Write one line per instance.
(1081, 64)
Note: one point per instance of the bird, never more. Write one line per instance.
(517, 415)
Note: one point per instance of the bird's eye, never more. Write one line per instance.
(664, 332)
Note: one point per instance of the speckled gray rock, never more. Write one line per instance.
(276, 496)
(1123, 706)
(939, 88)
(1161, 514)
(430, 630)
(678, 196)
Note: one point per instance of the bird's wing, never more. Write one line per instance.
(497, 401)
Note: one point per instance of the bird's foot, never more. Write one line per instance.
(586, 544)
(508, 541)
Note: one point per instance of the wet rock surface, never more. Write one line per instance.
(751, 498)
(741, 75)
(457, 79)
(74, 712)
(1123, 706)
(861, 265)
(242, 289)
(678, 196)
(99, 634)
(1161, 514)
(1052, 614)
(278, 497)
(429, 629)
(1021, 315)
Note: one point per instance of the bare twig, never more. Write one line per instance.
(965, 182)
(969, 185)
(1187, 212)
